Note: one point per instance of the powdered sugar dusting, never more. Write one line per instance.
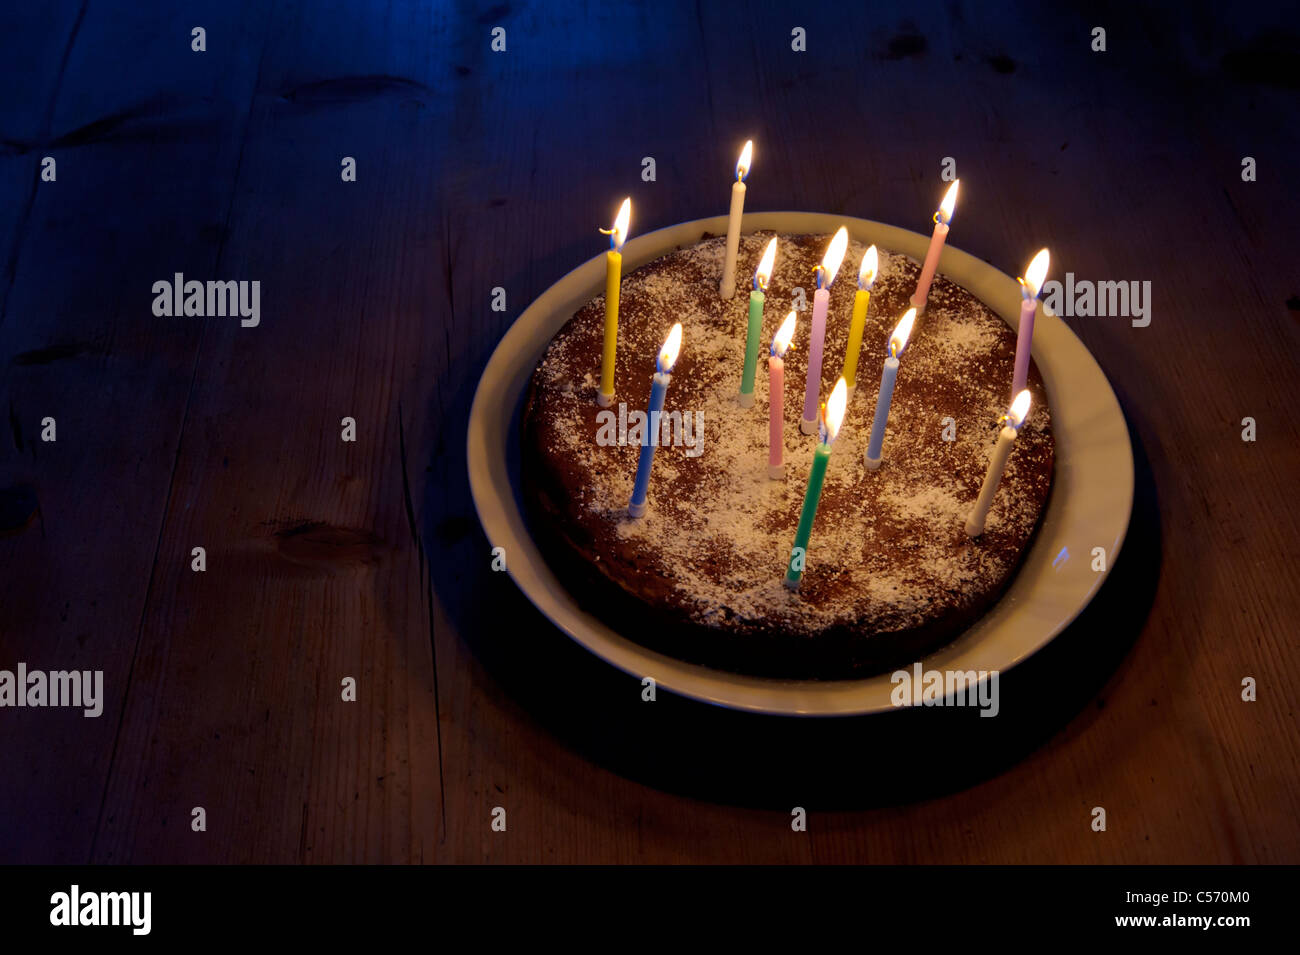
(888, 550)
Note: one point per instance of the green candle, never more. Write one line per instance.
(832, 413)
(756, 297)
(751, 348)
(821, 458)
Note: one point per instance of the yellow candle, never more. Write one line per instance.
(613, 274)
(866, 279)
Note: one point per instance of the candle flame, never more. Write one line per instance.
(898, 340)
(949, 203)
(668, 354)
(781, 343)
(618, 234)
(1034, 275)
(833, 411)
(833, 257)
(867, 270)
(1019, 410)
(746, 157)
(764, 271)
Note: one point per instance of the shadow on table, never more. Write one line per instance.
(711, 753)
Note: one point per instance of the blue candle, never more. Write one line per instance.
(658, 389)
(897, 342)
(887, 379)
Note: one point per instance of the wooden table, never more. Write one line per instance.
(479, 169)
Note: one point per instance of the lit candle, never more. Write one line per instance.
(897, 342)
(821, 302)
(832, 413)
(1029, 286)
(727, 287)
(776, 397)
(1014, 418)
(941, 219)
(761, 277)
(866, 279)
(658, 388)
(613, 270)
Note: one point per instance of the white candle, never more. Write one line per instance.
(1014, 418)
(728, 287)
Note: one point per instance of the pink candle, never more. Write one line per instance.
(812, 391)
(1029, 286)
(821, 302)
(941, 219)
(776, 398)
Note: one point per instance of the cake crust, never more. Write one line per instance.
(891, 574)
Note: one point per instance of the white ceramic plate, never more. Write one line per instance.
(1092, 492)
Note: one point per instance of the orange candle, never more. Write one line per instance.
(942, 217)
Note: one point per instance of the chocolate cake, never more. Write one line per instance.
(891, 573)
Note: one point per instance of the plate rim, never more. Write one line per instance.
(1054, 341)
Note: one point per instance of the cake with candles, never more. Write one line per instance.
(778, 523)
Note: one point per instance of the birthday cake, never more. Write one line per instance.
(890, 572)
